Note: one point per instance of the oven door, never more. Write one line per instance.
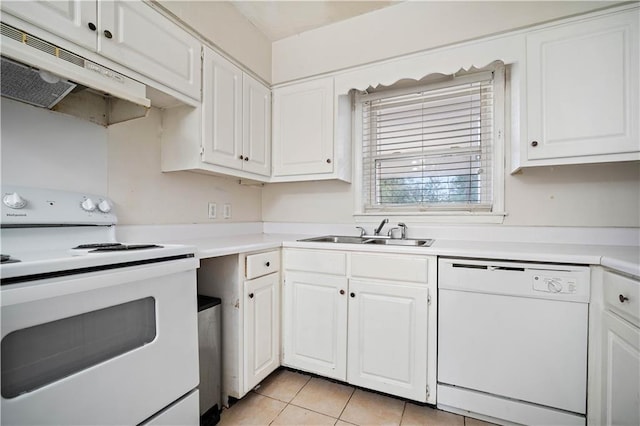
(107, 347)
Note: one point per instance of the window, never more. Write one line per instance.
(434, 148)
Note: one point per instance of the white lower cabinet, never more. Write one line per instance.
(261, 328)
(315, 323)
(249, 286)
(370, 321)
(620, 372)
(614, 349)
(388, 338)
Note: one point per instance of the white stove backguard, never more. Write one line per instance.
(24, 206)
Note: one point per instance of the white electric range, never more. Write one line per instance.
(93, 331)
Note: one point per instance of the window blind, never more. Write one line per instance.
(429, 148)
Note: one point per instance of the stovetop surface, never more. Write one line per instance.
(52, 231)
(34, 262)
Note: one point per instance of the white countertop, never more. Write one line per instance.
(623, 259)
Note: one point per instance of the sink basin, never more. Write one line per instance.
(399, 242)
(343, 239)
(340, 239)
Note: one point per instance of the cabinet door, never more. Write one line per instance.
(261, 329)
(620, 372)
(147, 42)
(388, 338)
(303, 128)
(315, 323)
(68, 19)
(256, 135)
(222, 111)
(582, 88)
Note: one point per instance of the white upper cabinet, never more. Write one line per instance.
(230, 134)
(130, 33)
(137, 36)
(74, 20)
(256, 129)
(306, 145)
(222, 111)
(582, 91)
(236, 118)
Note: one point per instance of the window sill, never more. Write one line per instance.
(433, 217)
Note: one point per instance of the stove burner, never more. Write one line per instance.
(122, 247)
(5, 258)
(97, 245)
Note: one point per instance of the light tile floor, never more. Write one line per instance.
(290, 398)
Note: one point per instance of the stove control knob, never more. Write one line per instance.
(104, 206)
(14, 201)
(88, 205)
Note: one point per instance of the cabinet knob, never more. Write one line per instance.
(91, 26)
(250, 295)
(246, 158)
(622, 298)
(341, 291)
(352, 294)
(328, 160)
(534, 143)
(108, 34)
(242, 157)
(267, 264)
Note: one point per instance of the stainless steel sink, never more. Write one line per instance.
(400, 242)
(339, 239)
(343, 239)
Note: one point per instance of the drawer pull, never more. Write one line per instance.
(353, 295)
(341, 291)
(108, 34)
(267, 264)
(622, 298)
(250, 295)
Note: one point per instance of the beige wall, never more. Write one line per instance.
(580, 195)
(408, 27)
(144, 195)
(46, 149)
(577, 195)
(227, 29)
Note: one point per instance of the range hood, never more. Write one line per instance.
(42, 74)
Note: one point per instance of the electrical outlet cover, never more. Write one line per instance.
(227, 211)
(213, 210)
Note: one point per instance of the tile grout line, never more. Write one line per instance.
(347, 403)
(286, 404)
(314, 411)
(404, 409)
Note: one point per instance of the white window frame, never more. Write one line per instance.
(497, 213)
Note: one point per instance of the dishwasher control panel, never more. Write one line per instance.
(562, 282)
(554, 284)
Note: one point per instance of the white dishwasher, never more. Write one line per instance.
(512, 340)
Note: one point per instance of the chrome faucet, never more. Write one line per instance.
(379, 228)
(403, 227)
(363, 232)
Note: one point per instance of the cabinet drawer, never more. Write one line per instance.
(262, 264)
(324, 262)
(621, 295)
(390, 267)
